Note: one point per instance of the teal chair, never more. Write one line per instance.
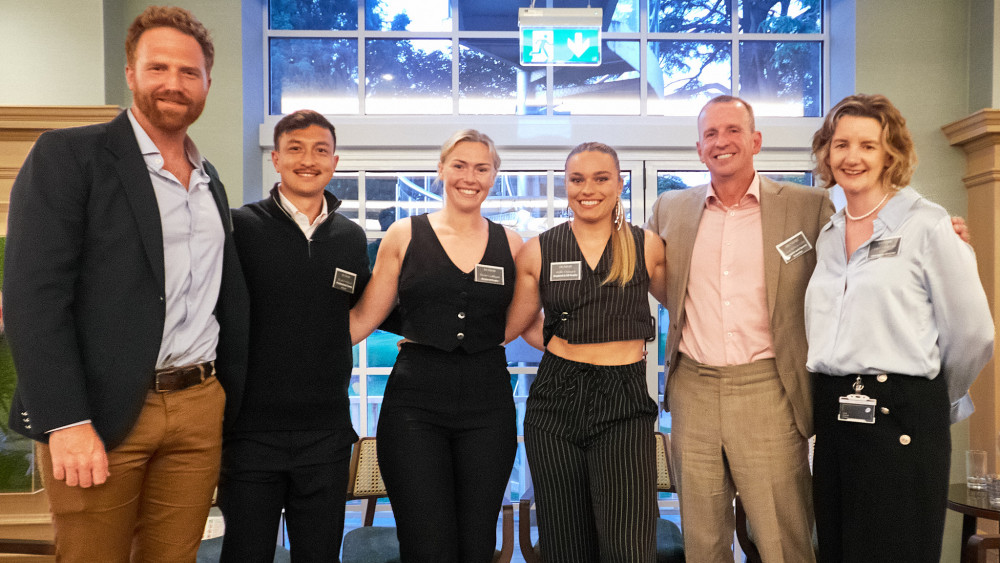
(378, 544)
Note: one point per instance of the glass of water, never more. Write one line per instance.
(975, 469)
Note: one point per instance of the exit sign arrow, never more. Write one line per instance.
(578, 45)
(561, 46)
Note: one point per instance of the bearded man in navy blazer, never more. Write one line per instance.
(126, 310)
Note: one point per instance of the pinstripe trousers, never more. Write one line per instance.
(588, 434)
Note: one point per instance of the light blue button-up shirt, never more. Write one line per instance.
(193, 239)
(921, 311)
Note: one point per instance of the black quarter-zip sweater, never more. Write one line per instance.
(300, 344)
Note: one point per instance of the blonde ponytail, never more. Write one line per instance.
(623, 254)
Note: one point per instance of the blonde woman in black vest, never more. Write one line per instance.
(446, 432)
(589, 422)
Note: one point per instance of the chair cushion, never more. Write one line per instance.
(211, 549)
(371, 544)
(669, 542)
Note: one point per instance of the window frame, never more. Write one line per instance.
(643, 36)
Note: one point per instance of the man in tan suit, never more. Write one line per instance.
(739, 256)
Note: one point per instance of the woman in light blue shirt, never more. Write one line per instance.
(898, 328)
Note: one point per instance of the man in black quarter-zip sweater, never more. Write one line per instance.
(305, 266)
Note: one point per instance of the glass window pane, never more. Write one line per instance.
(354, 395)
(609, 89)
(345, 187)
(625, 18)
(488, 78)
(374, 407)
(667, 180)
(408, 76)
(782, 78)
(408, 15)
(691, 74)
(560, 203)
(310, 14)
(382, 352)
(522, 386)
(692, 16)
(781, 16)
(521, 354)
(407, 193)
(477, 15)
(520, 476)
(804, 178)
(318, 74)
(518, 200)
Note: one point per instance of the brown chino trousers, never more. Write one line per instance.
(154, 504)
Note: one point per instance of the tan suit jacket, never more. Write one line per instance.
(786, 209)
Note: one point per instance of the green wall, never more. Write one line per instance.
(917, 54)
(219, 131)
(919, 59)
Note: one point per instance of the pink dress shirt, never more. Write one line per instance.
(727, 321)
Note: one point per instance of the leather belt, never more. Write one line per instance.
(181, 377)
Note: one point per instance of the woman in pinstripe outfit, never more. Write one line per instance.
(589, 422)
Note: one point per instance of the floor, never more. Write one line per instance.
(383, 517)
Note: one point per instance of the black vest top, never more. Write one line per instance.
(583, 311)
(446, 308)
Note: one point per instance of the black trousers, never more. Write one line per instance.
(305, 475)
(588, 434)
(880, 490)
(446, 444)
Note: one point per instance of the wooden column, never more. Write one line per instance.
(979, 136)
(20, 126)
(25, 515)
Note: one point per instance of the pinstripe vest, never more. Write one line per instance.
(584, 311)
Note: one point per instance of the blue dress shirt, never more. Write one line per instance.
(908, 301)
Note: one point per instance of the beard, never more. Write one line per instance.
(171, 120)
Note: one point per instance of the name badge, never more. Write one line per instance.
(344, 280)
(794, 246)
(883, 248)
(857, 407)
(489, 274)
(565, 271)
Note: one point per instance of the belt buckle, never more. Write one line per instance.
(156, 383)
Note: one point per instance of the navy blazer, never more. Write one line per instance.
(84, 290)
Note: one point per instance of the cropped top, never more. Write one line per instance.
(578, 308)
(442, 306)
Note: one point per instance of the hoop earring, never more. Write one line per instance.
(619, 215)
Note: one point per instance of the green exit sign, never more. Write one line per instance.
(560, 46)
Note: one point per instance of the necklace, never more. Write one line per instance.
(860, 217)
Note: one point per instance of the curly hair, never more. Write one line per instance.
(896, 139)
(169, 16)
